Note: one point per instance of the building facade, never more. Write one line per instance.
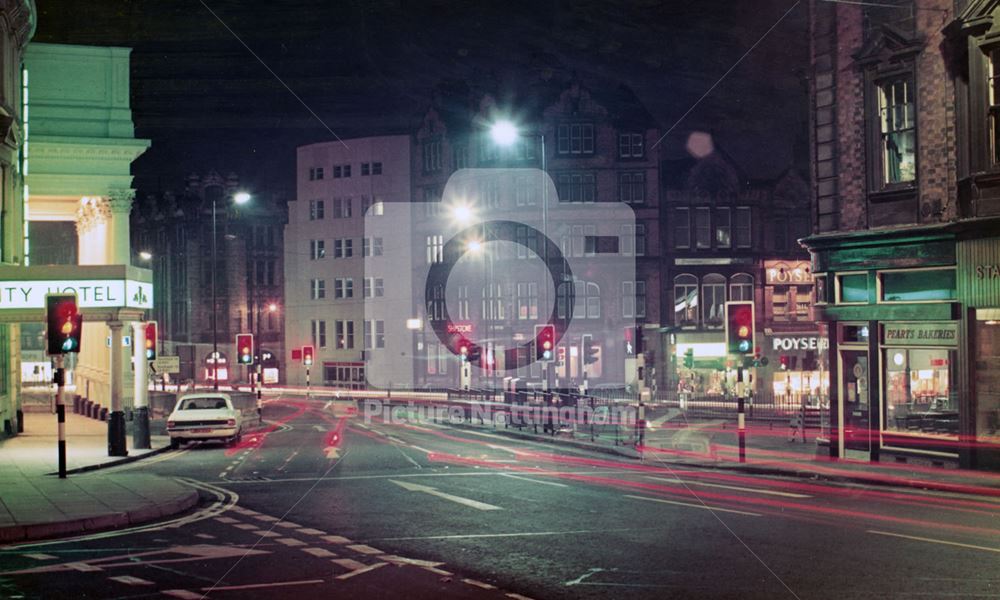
(907, 210)
(172, 234)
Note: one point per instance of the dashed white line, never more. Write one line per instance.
(290, 541)
(266, 533)
(245, 526)
(83, 567)
(289, 524)
(183, 594)
(311, 531)
(729, 487)
(349, 563)
(129, 580)
(934, 541)
(335, 539)
(267, 518)
(226, 520)
(363, 549)
(480, 584)
(534, 480)
(254, 586)
(319, 552)
(39, 556)
(690, 505)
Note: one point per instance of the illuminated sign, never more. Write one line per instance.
(459, 327)
(920, 334)
(784, 273)
(799, 343)
(90, 293)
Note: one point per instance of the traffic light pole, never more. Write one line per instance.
(60, 378)
(140, 430)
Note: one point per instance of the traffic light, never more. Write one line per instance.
(545, 342)
(65, 323)
(150, 344)
(739, 328)
(689, 358)
(590, 351)
(244, 347)
(307, 355)
(783, 359)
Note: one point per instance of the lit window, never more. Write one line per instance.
(898, 133)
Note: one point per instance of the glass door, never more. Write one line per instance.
(854, 401)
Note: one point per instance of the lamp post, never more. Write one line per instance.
(272, 308)
(238, 198)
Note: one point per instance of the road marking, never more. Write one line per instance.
(481, 584)
(933, 541)
(289, 524)
(183, 594)
(518, 596)
(254, 586)
(226, 520)
(83, 567)
(264, 533)
(402, 560)
(689, 505)
(408, 457)
(362, 571)
(245, 526)
(349, 563)
(319, 428)
(311, 531)
(39, 556)
(534, 480)
(426, 489)
(319, 552)
(462, 536)
(478, 473)
(204, 536)
(336, 539)
(363, 549)
(437, 571)
(729, 487)
(590, 573)
(129, 580)
(290, 542)
(267, 518)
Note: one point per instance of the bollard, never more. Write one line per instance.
(741, 424)
(103, 415)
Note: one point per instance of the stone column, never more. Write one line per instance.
(116, 421)
(119, 202)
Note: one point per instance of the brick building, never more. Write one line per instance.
(906, 176)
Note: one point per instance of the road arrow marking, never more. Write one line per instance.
(332, 452)
(319, 428)
(416, 487)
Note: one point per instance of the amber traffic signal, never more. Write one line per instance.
(150, 344)
(739, 328)
(65, 323)
(244, 348)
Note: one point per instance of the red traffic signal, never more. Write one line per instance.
(150, 344)
(244, 348)
(739, 328)
(65, 323)
(307, 355)
(545, 342)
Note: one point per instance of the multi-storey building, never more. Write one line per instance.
(172, 234)
(345, 298)
(731, 238)
(906, 176)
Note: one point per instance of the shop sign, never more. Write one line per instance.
(459, 327)
(799, 343)
(784, 273)
(920, 334)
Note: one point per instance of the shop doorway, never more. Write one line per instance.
(855, 405)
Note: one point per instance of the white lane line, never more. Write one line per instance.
(226, 520)
(290, 542)
(437, 571)
(728, 487)
(289, 524)
(267, 518)
(182, 594)
(335, 539)
(480, 584)
(402, 560)
(518, 596)
(426, 489)
(254, 586)
(349, 563)
(83, 567)
(319, 552)
(408, 457)
(266, 534)
(362, 571)
(534, 480)
(310, 531)
(247, 526)
(933, 541)
(479, 473)
(39, 556)
(363, 549)
(204, 536)
(463, 536)
(689, 505)
(129, 580)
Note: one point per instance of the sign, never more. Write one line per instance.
(90, 293)
(690, 262)
(799, 343)
(920, 334)
(459, 327)
(166, 364)
(787, 272)
(978, 273)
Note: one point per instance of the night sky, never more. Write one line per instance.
(370, 67)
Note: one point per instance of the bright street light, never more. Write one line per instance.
(272, 307)
(462, 213)
(473, 246)
(241, 197)
(146, 255)
(504, 133)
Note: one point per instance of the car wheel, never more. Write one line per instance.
(175, 443)
(236, 439)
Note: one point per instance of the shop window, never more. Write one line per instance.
(821, 289)
(685, 300)
(852, 288)
(919, 395)
(713, 292)
(918, 285)
(987, 375)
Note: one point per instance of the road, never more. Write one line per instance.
(324, 504)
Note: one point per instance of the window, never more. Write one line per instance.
(682, 228)
(347, 170)
(315, 173)
(490, 192)
(852, 288)
(315, 210)
(374, 287)
(345, 334)
(524, 191)
(743, 238)
(435, 249)
(463, 302)
(919, 285)
(703, 227)
(343, 248)
(586, 300)
(630, 145)
(376, 168)
(371, 207)
(576, 187)
(371, 246)
(632, 187)
(319, 334)
(365, 169)
(343, 287)
(432, 155)
(317, 249)
(374, 334)
(318, 289)
(342, 208)
(993, 83)
(527, 300)
(336, 172)
(685, 300)
(492, 302)
(574, 238)
(897, 130)
(436, 303)
(741, 287)
(723, 228)
(437, 359)
(460, 156)
(575, 138)
(713, 293)
(920, 395)
(527, 241)
(633, 299)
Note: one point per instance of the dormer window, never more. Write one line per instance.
(898, 135)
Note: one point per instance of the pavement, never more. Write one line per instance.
(36, 504)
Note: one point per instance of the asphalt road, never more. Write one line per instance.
(324, 504)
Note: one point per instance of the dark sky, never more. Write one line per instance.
(369, 67)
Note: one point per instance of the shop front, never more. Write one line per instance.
(795, 369)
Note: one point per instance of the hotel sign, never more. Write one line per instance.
(90, 293)
(920, 334)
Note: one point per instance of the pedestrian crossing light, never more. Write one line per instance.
(739, 328)
(545, 340)
(244, 347)
(150, 343)
(65, 323)
(307, 355)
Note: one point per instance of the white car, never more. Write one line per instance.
(204, 416)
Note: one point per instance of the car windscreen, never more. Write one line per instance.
(202, 404)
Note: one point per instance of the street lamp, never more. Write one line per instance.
(238, 198)
(146, 255)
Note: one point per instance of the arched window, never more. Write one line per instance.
(741, 287)
(685, 300)
(713, 293)
(587, 301)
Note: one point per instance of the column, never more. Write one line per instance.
(116, 421)
(119, 201)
